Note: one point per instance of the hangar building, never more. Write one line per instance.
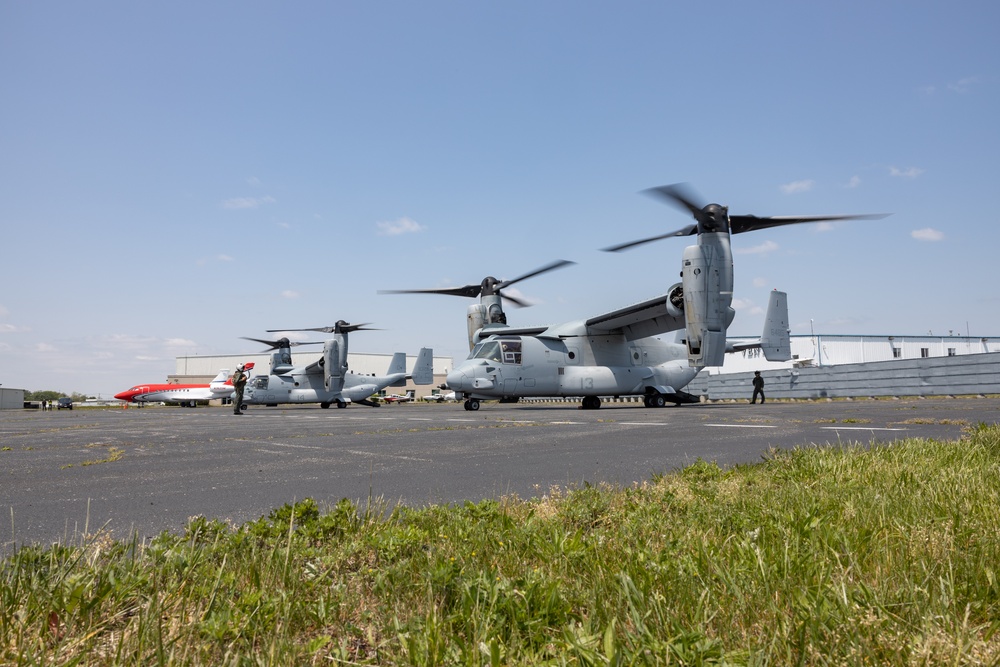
(821, 351)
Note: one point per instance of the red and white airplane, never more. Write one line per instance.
(187, 395)
(397, 398)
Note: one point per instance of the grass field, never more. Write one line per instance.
(881, 555)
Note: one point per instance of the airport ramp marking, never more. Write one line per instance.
(742, 425)
(358, 452)
(860, 428)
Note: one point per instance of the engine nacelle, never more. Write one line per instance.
(707, 276)
(476, 320)
(334, 363)
(675, 300)
(281, 358)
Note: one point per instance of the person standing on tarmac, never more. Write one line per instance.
(758, 388)
(239, 383)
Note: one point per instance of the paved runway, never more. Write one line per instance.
(149, 470)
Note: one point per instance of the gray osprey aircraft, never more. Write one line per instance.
(328, 380)
(619, 353)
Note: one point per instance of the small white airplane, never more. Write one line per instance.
(186, 395)
(440, 397)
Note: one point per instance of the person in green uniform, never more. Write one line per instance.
(239, 383)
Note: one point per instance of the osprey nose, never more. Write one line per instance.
(456, 380)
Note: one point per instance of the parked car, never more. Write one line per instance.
(65, 403)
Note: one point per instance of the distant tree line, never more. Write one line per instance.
(52, 396)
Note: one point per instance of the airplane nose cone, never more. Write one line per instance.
(123, 396)
(455, 380)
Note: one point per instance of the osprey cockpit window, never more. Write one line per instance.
(260, 383)
(487, 350)
(511, 350)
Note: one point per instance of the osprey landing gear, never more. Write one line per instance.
(591, 402)
(471, 404)
(654, 400)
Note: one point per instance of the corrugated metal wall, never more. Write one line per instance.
(11, 399)
(935, 376)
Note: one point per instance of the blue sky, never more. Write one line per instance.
(176, 175)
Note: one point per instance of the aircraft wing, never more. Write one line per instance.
(640, 320)
(315, 368)
(503, 330)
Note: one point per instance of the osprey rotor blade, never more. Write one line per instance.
(339, 327)
(281, 342)
(470, 291)
(488, 286)
(750, 223)
(686, 231)
(558, 264)
(714, 218)
(680, 195)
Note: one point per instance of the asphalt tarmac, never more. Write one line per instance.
(65, 474)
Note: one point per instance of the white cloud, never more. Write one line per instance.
(822, 227)
(44, 347)
(290, 294)
(179, 342)
(909, 172)
(927, 234)
(254, 181)
(747, 306)
(4, 311)
(224, 258)
(397, 227)
(760, 282)
(797, 186)
(247, 202)
(9, 328)
(854, 182)
(766, 246)
(962, 85)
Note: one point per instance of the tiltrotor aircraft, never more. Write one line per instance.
(618, 353)
(328, 380)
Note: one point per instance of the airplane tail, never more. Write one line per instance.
(221, 377)
(423, 370)
(398, 366)
(775, 341)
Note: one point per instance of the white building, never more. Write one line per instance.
(820, 351)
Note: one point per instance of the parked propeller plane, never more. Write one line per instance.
(328, 381)
(618, 353)
(186, 395)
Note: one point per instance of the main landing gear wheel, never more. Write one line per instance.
(341, 404)
(591, 402)
(472, 405)
(654, 401)
(324, 405)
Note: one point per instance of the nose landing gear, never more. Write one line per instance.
(471, 404)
